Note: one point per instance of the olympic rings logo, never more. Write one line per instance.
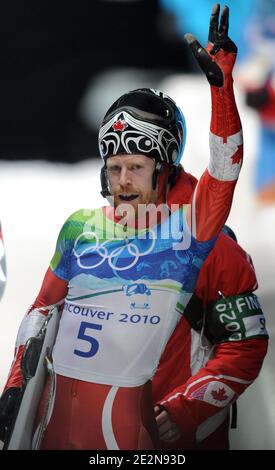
(111, 256)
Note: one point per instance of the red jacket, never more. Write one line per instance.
(196, 394)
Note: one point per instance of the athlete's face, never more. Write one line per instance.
(130, 180)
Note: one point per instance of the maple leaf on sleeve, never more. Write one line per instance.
(219, 394)
(238, 155)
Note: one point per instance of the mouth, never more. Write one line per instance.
(128, 197)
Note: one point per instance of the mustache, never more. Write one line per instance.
(131, 190)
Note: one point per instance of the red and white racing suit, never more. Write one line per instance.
(233, 366)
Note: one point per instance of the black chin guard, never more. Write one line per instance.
(156, 173)
(104, 183)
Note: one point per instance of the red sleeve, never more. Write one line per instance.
(192, 400)
(228, 269)
(213, 195)
(233, 368)
(52, 292)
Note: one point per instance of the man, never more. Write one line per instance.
(127, 272)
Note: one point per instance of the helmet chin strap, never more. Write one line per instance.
(162, 177)
(166, 178)
(104, 183)
(156, 173)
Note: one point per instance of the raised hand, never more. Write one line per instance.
(218, 58)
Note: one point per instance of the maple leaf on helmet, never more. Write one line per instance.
(119, 125)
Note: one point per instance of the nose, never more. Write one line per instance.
(124, 177)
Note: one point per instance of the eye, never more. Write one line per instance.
(114, 170)
(136, 167)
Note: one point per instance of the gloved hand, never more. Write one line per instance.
(8, 404)
(218, 58)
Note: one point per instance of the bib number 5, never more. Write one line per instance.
(93, 343)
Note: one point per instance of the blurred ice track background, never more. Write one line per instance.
(36, 198)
